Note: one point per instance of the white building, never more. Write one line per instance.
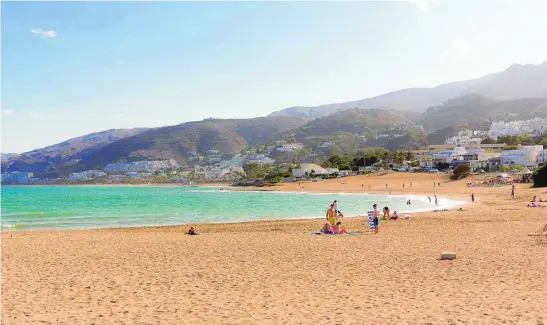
(317, 170)
(533, 127)
(467, 137)
(85, 175)
(139, 166)
(528, 156)
(290, 147)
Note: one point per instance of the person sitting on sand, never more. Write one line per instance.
(327, 229)
(331, 215)
(338, 229)
(193, 231)
(394, 216)
(534, 199)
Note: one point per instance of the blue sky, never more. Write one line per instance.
(72, 68)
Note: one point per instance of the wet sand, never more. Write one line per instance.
(275, 272)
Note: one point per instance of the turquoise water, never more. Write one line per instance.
(25, 208)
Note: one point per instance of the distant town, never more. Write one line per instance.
(287, 160)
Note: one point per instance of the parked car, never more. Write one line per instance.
(433, 171)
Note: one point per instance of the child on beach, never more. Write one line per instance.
(386, 213)
(394, 216)
(338, 229)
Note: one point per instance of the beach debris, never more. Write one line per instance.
(448, 256)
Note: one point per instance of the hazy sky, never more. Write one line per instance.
(72, 68)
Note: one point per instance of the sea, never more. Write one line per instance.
(80, 207)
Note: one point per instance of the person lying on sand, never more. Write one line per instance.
(338, 229)
(193, 231)
(533, 205)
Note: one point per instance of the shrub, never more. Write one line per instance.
(540, 177)
(461, 171)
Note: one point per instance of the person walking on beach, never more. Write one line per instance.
(473, 197)
(375, 217)
(436, 202)
(410, 184)
(513, 192)
(429, 197)
(403, 185)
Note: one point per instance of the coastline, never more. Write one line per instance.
(445, 203)
(276, 272)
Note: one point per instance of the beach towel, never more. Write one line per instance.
(371, 220)
(320, 233)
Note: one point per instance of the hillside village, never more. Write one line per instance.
(288, 160)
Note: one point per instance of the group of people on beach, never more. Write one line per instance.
(333, 226)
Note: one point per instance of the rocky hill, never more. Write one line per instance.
(165, 143)
(355, 121)
(66, 153)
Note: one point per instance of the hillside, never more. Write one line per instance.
(477, 109)
(518, 81)
(355, 121)
(7, 156)
(176, 142)
(65, 153)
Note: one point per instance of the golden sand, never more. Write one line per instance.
(272, 272)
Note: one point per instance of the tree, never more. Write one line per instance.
(400, 157)
(488, 141)
(256, 170)
(540, 177)
(543, 142)
(442, 165)
(461, 171)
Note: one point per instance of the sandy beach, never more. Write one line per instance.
(275, 272)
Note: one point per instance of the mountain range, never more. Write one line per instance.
(519, 92)
(516, 82)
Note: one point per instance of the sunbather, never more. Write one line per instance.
(327, 229)
(193, 231)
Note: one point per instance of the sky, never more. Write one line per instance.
(73, 68)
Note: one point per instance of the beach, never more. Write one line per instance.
(276, 272)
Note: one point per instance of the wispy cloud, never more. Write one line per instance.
(459, 49)
(43, 33)
(423, 5)
(7, 112)
(37, 115)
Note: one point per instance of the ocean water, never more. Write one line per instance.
(30, 208)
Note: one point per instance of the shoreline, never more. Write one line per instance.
(452, 204)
